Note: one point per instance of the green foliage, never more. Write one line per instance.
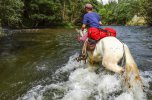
(11, 12)
(41, 12)
(119, 13)
(52, 12)
(146, 10)
(35, 13)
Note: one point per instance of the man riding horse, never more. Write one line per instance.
(95, 33)
(94, 21)
(108, 50)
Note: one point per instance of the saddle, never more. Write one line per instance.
(91, 44)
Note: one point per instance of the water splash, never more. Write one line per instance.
(83, 84)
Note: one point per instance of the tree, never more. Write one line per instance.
(146, 10)
(42, 12)
(11, 12)
(119, 13)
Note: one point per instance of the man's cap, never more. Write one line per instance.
(88, 5)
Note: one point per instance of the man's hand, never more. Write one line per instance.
(100, 23)
(83, 27)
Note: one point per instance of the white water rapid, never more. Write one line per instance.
(83, 84)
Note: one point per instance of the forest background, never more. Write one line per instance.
(54, 13)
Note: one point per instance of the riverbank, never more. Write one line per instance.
(137, 21)
(9, 31)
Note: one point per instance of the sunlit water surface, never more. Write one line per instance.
(39, 65)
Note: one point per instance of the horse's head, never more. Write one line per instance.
(82, 33)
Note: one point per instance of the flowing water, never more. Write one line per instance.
(39, 64)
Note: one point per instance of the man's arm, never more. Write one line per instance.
(100, 22)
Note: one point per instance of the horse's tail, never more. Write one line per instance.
(131, 69)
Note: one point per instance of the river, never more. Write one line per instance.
(38, 64)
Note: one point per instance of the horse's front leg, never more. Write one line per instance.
(91, 64)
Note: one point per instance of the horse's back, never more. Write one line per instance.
(109, 47)
(111, 43)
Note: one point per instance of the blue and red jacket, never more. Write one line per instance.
(94, 32)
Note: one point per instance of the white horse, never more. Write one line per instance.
(109, 51)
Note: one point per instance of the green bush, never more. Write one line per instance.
(146, 10)
(11, 12)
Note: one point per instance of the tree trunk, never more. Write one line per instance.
(63, 13)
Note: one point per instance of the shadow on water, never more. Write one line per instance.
(30, 57)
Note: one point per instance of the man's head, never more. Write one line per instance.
(88, 7)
